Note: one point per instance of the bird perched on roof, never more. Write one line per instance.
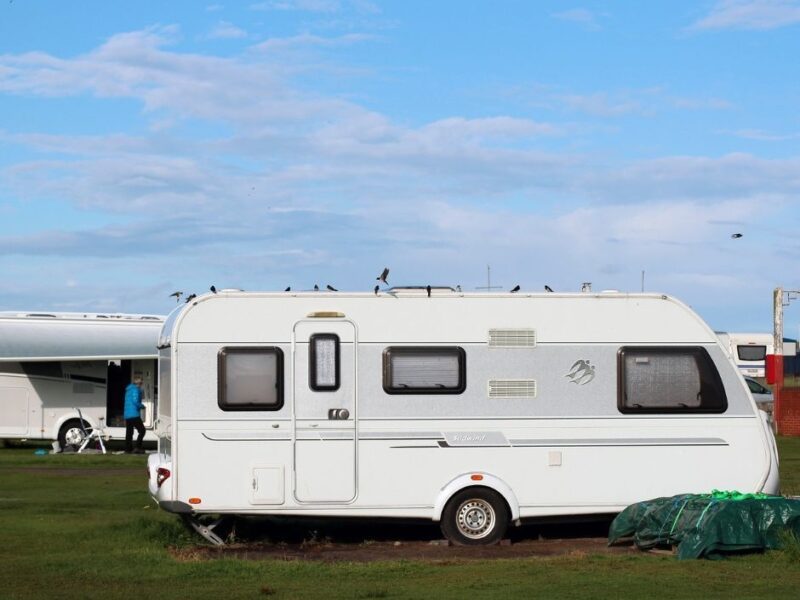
(428, 289)
(176, 295)
(331, 288)
(384, 276)
(458, 289)
(316, 287)
(736, 236)
(377, 287)
(213, 289)
(190, 297)
(515, 289)
(547, 288)
(288, 289)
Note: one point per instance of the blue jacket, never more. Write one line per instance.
(133, 401)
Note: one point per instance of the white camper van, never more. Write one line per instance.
(750, 350)
(475, 410)
(54, 364)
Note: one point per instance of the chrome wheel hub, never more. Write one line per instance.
(475, 518)
(73, 436)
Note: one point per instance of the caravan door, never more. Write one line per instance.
(325, 424)
(148, 369)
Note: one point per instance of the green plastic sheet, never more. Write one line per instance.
(709, 525)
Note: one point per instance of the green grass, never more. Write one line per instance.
(92, 532)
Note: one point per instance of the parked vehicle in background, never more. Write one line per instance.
(749, 351)
(761, 394)
(52, 364)
(475, 410)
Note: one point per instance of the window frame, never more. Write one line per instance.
(312, 362)
(222, 355)
(389, 351)
(707, 370)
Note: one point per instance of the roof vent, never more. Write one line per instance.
(512, 388)
(512, 338)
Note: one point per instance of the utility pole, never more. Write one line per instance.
(489, 287)
(777, 345)
(777, 391)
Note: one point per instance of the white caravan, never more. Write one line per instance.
(749, 350)
(475, 410)
(52, 364)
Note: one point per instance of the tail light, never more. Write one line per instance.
(162, 475)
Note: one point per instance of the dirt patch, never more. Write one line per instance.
(369, 541)
(438, 552)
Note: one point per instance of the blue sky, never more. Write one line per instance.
(151, 147)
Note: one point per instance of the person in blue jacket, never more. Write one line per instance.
(133, 414)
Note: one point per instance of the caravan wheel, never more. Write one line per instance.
(71, 435)
(475, 516)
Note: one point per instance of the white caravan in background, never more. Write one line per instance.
(474, 410)
(750, 350)
(52, 364)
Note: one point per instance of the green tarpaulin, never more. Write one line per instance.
(708, 525)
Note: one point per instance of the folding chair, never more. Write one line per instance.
(93, 433)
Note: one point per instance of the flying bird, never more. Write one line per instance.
(515, 289)
(377, 287)
(384, 276)
(213, 289)
(190, 297)
(288, 289)
(331, 288)
(316, 287)
(428, 289)
(176, 295)
(547, 288)
(736, 236)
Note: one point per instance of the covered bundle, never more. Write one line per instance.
(709, 524)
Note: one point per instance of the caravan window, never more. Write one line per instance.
(323, 361)
(668, 380)
(752, 352)
(424, 370)
(250, 378)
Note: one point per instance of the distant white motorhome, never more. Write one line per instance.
(54, 364)
(749, 350)
(473, 410)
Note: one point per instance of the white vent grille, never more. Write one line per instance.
(512, 388)
(512, 338)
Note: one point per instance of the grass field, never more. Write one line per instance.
(84, 527)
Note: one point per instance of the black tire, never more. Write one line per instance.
(475, 516)
(70, 434)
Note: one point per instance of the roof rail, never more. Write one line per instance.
(401, 288)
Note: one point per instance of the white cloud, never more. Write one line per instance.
(310, 40)
(762, 136)
(583, 16)
(750, 14)
(319, 6)
(227, 31)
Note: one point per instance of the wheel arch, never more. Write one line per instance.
(70, 416)
(476, 480)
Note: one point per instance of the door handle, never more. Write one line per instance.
(340, 414)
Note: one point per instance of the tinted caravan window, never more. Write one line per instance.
(250, 379)
(668, 380)
(752, 352)
(424, 370)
